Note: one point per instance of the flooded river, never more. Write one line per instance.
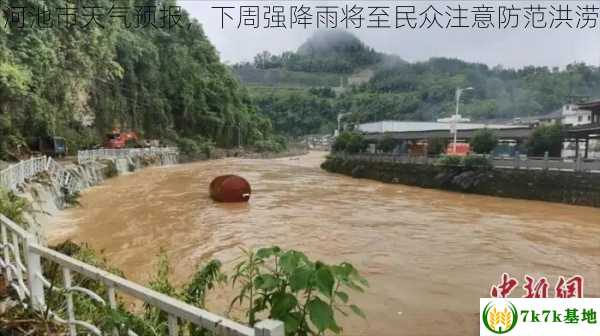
(428, 255)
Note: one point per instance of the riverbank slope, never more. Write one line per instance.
(541, 185)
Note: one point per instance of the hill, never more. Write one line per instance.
(391, 88)
(81, 82)
(336, 52)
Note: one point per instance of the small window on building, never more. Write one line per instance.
(579, 118)
(589, 118)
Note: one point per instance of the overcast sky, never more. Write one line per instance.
(510, 48)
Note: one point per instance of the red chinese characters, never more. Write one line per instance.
(505, 287)
(570, 288)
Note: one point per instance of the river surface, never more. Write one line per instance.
(428, 255)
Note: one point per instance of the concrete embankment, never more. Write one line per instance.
(542, 185)
(47, 196)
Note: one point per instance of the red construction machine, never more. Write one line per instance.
(118, 139)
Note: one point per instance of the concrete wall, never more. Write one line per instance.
(552, 186)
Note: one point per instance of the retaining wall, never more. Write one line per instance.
(551, 186)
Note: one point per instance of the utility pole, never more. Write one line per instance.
(239, 135)
(339, 121)
(457, 117)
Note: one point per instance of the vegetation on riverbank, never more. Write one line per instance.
(350, 142)
(13, 206)
(272, 283)
(80, 82)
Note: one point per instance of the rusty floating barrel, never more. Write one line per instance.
(230, 188)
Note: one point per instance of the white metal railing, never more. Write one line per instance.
(29, 282)
(16, 174)
(516, 162)
(59, 172)
(105, 153)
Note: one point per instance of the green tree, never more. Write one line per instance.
(546, 138)
(397, 90)
(341, 142)
(357, 143)
(82, 82)
(437, 145)
(386, 143)
(483, 141)
(350, 142)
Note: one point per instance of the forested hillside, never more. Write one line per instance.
(412, 91)
(325, 51)
(81, 82)
(326, 59)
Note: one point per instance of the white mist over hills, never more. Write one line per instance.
(510, 48)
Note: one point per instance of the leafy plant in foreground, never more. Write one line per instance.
(13, 206)
(287, 286)
(194, 293)
(277, 284)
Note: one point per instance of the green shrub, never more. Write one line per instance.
(437, 145)
(449, 161)
(287, 286)
(341, 142)
(386, 143)
(472, 162)
(350, 142)
(284, 285)
(357, 143)
(187, 146)
(483, 141)
(282, 141)
(195, 146)
(12, 147)
(275, 144)
(80, 140)
(546, 138)
(12, 206)
(111, 169)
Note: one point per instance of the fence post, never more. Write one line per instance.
(173, 327)
(517, 160)
(269, 328)
(546, 160)
(112, 301)
(578, 164)
(5, 252)
(69, 297)
(34, 270)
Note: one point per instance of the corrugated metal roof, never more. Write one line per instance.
(419, 126)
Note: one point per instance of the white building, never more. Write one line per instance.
(574, 116)
(420, 126)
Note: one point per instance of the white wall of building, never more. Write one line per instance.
(571, 115)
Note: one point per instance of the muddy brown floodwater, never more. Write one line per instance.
(428, 255)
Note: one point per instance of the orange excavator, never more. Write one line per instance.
(117, 139)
